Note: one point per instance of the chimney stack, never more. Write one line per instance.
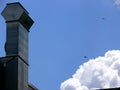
(14, 66)
(18, 25)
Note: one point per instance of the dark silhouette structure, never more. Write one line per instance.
(14, 66)
(109, 89)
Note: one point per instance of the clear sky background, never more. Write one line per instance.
(63, 33)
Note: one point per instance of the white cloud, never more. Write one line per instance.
(101, 72)
(117, 3)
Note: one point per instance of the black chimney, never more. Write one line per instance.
(14, 66)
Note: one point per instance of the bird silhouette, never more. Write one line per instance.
(103, 18)
(85, 56)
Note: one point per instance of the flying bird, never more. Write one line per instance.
(103, 18)
(85, 56)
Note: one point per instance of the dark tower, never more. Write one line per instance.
(14, 67)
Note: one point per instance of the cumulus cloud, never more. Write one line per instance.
(101, 72)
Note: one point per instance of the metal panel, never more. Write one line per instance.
(12, 38)
(22, 75)
(11, 73)
(23, 43)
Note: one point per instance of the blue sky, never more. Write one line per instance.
(63, 33)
